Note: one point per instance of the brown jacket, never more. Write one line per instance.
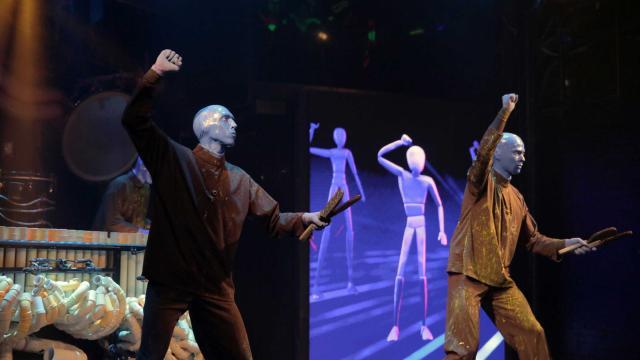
(494, 219)
(199, 206)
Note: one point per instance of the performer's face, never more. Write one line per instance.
(223, 130)
(215, 123)
(142, 172)
(509, 157)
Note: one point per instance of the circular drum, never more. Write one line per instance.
(96, 147)
(26, 199)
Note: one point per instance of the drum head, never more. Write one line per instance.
(96, 147)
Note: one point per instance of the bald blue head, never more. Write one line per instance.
(215, 128)
(509, 156)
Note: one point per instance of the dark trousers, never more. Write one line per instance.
(217, 324)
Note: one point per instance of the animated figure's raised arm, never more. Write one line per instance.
(314, 150)
(312, 130)
(396, 170)
(433, 190)
(352, 165)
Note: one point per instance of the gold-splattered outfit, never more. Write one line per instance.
(494, 219)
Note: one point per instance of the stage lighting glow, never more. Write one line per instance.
(272, 27)
(371, 35)
(322, 36)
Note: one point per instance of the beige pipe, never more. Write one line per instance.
(190, 347)
(26, 316)
(53, 290)
(121, 297)
(7, 307)
(169, 356)
(95, 329)
(131, 278)
(31, 254)
(124, 274)
(177, 351)
(6, 351)
(80, 304)
(135, 308)
(10, 257)
(21, 262)
(37, 345)
(79, 328)
(52, 254)
(139, 283)
(64, 354)
(133, 336)
(5, 284)
(50, 306)
(179, 333)
(79, 291)
(40, 314)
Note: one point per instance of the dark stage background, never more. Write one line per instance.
(435, 68)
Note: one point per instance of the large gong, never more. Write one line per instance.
(96, 147)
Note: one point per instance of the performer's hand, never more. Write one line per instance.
(585, 248)
(509, 101)
(313, 218)
(406, 140)
(443, 238)
(167, 61)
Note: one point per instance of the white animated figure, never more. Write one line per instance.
(414, 188)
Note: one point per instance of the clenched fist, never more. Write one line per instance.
(509, 101)
(167, 61)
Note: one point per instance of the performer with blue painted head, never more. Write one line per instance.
(494, 219)
(201, 202)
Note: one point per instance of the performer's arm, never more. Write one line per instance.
(279, 224)
(538, 243)
(393, 168)
(442, 236)
(481, 166)
(152, 144)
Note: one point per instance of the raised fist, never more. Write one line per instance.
(167, 61)
(509, 101)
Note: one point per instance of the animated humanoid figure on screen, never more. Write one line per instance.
(414, 188)
(339, 156)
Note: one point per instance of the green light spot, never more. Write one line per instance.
(417, 31)
(272, 27)
(372, 35)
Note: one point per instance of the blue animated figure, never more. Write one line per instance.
(339, 156)
(414, 188)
